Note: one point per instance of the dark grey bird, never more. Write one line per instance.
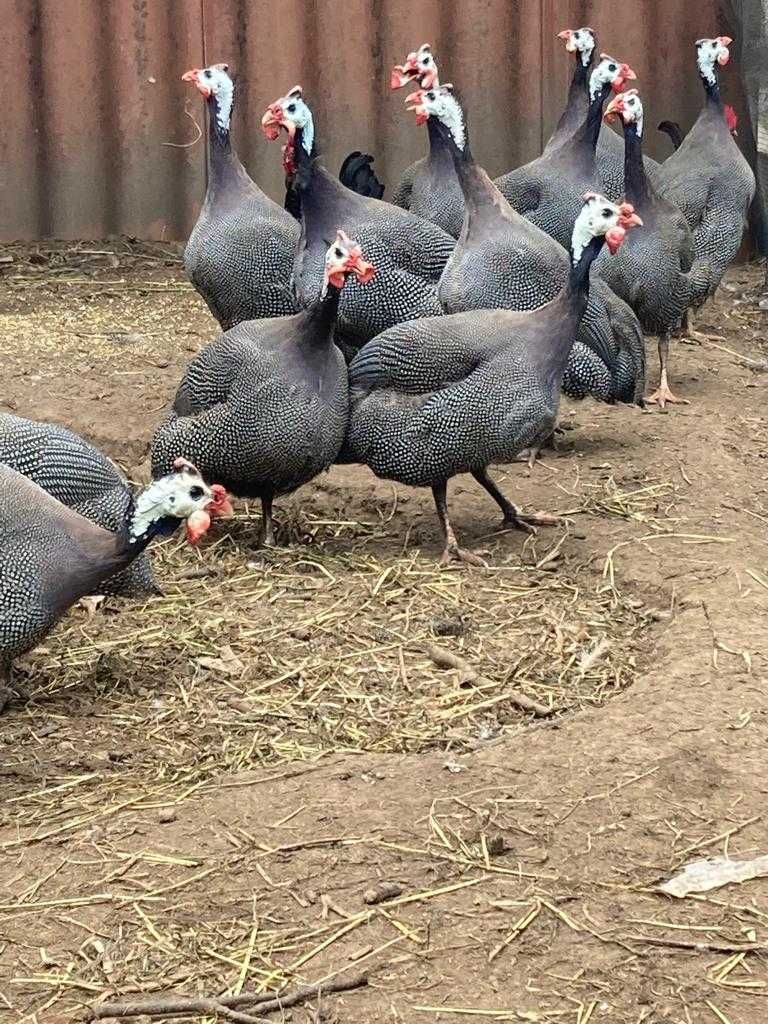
(549, 190)
(429, 187)
(708, 177)
(51, 556)
(80, 477)
(609, 155)
(409, 253)
(441, 396)
(356, 173)
(264, 408)
(240, 254)
(655, 272)
(502, 261)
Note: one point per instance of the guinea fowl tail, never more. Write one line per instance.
(358, 175)
(673, 130)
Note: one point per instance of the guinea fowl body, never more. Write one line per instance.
(263, 408)
(409, 253)
(503, 261)
(441, 396)
(549, 190)
(240, 254)
(429, 188)
(710, 180)
(51, 556)
(80, 477)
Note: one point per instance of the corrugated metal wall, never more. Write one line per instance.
(92, 95)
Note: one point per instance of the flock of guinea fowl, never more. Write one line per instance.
(425, 338)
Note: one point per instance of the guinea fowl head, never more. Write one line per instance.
(609, 72)
(291, 113)
(628, 106)
(419, 66)
(441, 103)
(214, 82)
(579, 40)
(600, 218)
(345, 257)
(179, 496)
(710, 52)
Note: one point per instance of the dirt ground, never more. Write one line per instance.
(262, 779)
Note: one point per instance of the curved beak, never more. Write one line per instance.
(627, 216)
(404, 74)
(272, 121)
(362, 269)
(615, 107)
(415, 102)
(220, 506)
(567, 35)
(724, 56)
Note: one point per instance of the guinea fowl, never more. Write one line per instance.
(655, 271)
(708, 177)
(673, 130)
(437, 397)
(502, 261)
(51, 556)
(609, 153)
(265, 407)
(240, 254)
(549, 190)
(409, 254)
(429, 187)
(80, 477)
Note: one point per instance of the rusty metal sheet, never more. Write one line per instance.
(84, 150)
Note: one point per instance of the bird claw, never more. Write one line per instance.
(530, 523)
(453, 553)
(663, 395)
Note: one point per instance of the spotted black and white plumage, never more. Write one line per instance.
(51, 556)
(265, 407)
(549, 190)
(709, 178)
(240, 254)
(502, 261)
(433, 398)
(80, 477)
(409, 253)
(429, 188)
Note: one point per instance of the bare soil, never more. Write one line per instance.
(203, 789)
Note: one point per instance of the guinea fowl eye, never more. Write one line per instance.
(338, 253)
(208, 73)
(430, 95)
(611, 67)
(607, 212)
(196, 493)
(291, 108)
(425, 60)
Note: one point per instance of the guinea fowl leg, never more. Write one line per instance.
(663, 393)
(452, 551)
(267, 539)
(530, 455)
(512, 515)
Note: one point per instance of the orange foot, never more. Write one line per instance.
(530, 523)
(663, 395)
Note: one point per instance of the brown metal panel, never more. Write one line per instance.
(83, 152)
(81, 147)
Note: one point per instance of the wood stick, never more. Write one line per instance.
(173, 1006)
(447, 659)
(704, 946)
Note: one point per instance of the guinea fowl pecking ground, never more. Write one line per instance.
(243, 745)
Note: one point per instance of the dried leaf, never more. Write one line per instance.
(703, 875)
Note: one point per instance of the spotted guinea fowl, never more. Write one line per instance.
(264, 408)
(408, 252)
(502, 261)
(240, 254)
(610, 147)
(655, 271)
(51, 556)
(708, 177)
(548, 190)
(80, 477)
(437, 397)
(429, 187)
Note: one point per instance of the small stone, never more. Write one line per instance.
(166, 815)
